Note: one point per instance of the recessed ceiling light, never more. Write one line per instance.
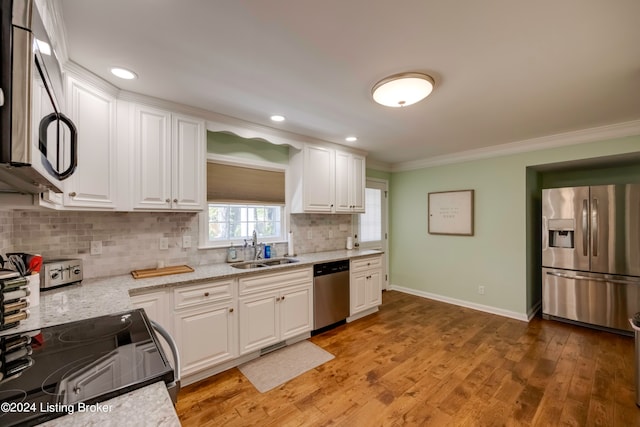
(351, 139)
(277, 118)
(402, 89)
(123, 73)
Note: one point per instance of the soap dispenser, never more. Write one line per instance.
(232, 254)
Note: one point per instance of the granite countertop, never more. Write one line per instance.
(150, 405)
(110, 295)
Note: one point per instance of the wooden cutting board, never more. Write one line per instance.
(165, 271)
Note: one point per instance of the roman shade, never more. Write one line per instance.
(237, 184)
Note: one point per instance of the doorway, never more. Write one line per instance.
(371, 228)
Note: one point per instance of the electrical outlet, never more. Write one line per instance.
(96, 247)
(309, 234)
(186, 241)
(164, 243)
(481, 290)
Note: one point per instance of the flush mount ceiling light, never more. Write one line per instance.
(402, 89)
(123, 73)
(351, 139)
(277, 118)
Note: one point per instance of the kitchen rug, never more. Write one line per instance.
(273, 369)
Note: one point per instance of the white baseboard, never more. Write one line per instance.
(480, 307)
(534, 310)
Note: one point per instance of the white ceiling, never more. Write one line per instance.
(505, 71)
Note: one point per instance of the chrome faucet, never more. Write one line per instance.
(258, 248)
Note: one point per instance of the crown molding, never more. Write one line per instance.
(594, 134)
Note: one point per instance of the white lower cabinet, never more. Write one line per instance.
(206, 336)
(157, 306)
(205, 324)
(214, 323)
(274, 307)
(202, 319)
(366, 283)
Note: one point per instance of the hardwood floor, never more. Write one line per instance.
(422, 362)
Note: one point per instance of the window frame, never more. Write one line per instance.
(204, 242)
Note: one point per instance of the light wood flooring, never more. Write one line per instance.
(422, 362)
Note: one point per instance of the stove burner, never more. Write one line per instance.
(96, 331)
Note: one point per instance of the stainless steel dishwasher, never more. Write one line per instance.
(330, 293)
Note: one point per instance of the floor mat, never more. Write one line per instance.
(273, 369)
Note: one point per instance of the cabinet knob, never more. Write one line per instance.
(175, 200)
(73, 194)
(206, 294)
(168, 200)
(277, 299)
(283, 298)
(231, 310)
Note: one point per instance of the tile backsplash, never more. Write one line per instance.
(130, 240)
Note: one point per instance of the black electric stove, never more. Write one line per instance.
(57, 370)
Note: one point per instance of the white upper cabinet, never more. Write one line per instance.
(168, 160)
(93, 111)
(350, 182)
(324, 180)
(188, 153)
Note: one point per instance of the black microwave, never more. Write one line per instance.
(38, 143)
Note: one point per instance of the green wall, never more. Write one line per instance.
(253, 149)
(502, 255)
(373, 173)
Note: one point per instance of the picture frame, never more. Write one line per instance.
(451, 212)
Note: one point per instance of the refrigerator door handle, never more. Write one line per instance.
(593, 279)
(594, 227)
(585, 227)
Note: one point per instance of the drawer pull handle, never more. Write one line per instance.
(206, 294)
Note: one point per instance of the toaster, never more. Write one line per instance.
(60, 272)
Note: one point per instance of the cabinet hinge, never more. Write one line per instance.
(385, 194)
(386, 278)
(385, 236)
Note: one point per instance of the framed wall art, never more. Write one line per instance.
(450, 212)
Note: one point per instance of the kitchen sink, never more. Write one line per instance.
(263, 263)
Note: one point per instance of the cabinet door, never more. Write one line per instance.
(374, 288)
(350, 182)
(157, 307)
(296, 312)
(319, 179)
(206, 336)
(343, 187)
(358, 292)
(259, 323)
(188, 153)
(357, 183)
(151, 163)
(93, 184)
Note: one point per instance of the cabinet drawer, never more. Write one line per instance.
(366, 263)
(267, 281)
(202, 293)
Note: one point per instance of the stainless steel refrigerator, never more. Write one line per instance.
(591, 254)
